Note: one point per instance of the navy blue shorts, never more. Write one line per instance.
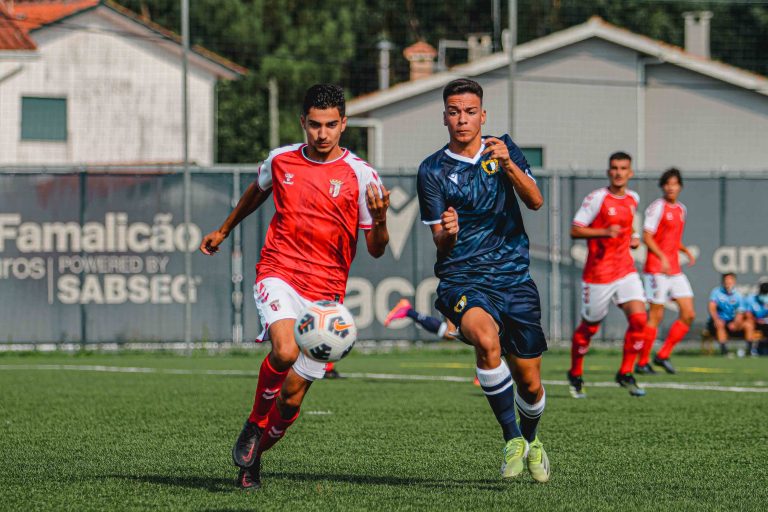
(516, 309)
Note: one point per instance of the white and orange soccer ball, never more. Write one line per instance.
(325, 331)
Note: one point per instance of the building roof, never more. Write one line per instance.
(29, 16)
(12, 37)
(595, 27)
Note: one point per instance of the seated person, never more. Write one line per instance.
(756, 309)
(726, 313)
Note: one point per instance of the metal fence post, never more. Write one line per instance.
(237, 269)
(555, 302)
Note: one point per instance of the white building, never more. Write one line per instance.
(583, 93)
(90, 82)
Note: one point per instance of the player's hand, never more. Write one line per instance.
(613, 231)
(665, 266)
(634, 242)
(211, 242)
(691, 259)
(449, 220)
(378, 202)
(496, 148)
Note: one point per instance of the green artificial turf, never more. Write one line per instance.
(83, 440)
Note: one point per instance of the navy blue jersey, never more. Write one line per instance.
(492, 246)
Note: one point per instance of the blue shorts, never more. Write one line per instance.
(516, 309)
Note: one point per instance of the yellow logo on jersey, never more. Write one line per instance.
(459, 307)
(490, 167)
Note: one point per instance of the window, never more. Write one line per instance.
(44, 119)
(535, 156)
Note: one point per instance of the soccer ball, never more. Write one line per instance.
(325, 331)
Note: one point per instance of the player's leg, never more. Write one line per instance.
(595, 299)
(744, 325)
(656, 291)
(286, 408)
(482, 330)
(631, 299)
(403, 309)
(677, 332)
(523, 343)
(655, 316)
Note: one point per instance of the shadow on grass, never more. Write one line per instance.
(222, 485)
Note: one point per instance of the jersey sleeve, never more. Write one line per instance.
(264, 179)
(653, 217)
(743, 304)
(714, 296)
(589, 209)
(366, 175)
(431, 199)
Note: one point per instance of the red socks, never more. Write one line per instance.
(580, 346)
(275, 429)
(676, 333)
(645, 354)
(270, 382)
(634, 341)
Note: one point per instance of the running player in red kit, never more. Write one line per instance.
(662, 276)
(322, 195)
(605, 220)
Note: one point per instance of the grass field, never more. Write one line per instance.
(160, 437)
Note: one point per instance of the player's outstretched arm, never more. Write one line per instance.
(611, 231)
(525, 187)
(377, 238)
(689, 254)
(248, 203)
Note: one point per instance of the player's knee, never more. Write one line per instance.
(284, 355)
(687, 317)
(637, 322)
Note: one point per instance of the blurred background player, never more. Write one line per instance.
(726, 313)
(302, 261)
(468, 194)
(605, 221)
(664, 280)
(756, 310)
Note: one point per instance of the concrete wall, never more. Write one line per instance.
(696, 122)
(581, 103)
(123, 99)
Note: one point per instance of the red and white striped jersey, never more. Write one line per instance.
(609, 259)
(666, 222)
(312, 238)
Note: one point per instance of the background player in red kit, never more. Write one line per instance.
(663, 234)
(605, 220)
(322, 194)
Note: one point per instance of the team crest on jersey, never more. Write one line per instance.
(490, 167)
(275, 305)
(611, 210)
(459, 307)
(288, 179)
(335, 188)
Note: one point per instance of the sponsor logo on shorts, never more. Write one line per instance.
(275, 305)
(459, 307)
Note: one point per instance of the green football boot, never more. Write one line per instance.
(538, 462)
(515, 452)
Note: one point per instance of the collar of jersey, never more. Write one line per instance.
(305, 157)
(466, 159)
(608, 190)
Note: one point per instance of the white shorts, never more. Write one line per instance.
(596, 298)
(659, 288)
(277, 300)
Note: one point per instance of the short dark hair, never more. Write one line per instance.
(619, 155)
(462, 86)
(323, 96)
(763, 287)
(670, 173)
(722, 277)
